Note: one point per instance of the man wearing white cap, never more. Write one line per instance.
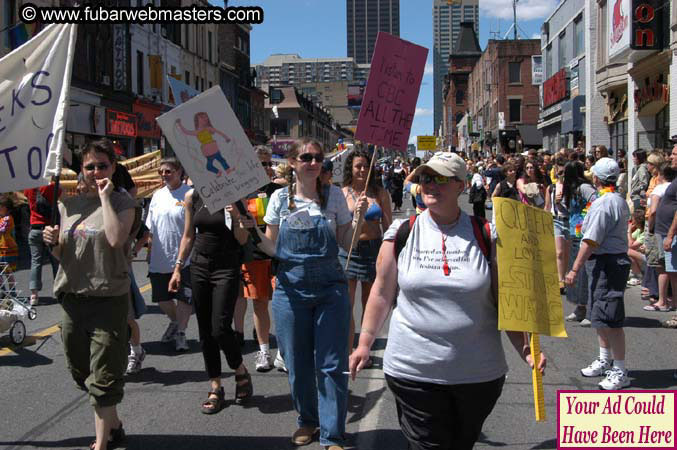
(603, 255)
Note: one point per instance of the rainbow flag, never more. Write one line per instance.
(22, 33)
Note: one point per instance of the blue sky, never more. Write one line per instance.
(317, 28)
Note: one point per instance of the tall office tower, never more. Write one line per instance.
(365, 19)
(447, 18)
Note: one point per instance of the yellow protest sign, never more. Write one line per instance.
(528, 292)
(426, 143)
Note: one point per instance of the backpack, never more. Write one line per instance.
(477, 194)
(480, 226)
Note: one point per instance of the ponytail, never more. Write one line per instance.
(292, 189)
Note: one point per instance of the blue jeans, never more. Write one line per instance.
(216, 157)
(313, 339)
(40, 253)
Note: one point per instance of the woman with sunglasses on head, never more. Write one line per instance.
(306, 223)
(166, 222)
(377, 219)
(444, 360)
(92, 285)
(554, 196)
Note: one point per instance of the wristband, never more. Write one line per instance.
(179, 262)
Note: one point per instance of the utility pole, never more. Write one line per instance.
(514, 16)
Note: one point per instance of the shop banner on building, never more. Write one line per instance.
(214, 149)
(181, 91)
(389, 101)
(528, 285)
(34, 84)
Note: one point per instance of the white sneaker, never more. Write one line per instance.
(34, 300)
(585, 323)
(615, 379)
(134, 362)
(279, 363)
(597, 368)
(264, 362)
(633, 282)
(170, 332)
(180, 340)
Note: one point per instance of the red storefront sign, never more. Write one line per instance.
(646, 32)
(146, 125)
(652, 92)
(120, 124)
(555, 88)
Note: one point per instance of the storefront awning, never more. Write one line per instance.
(531, 136)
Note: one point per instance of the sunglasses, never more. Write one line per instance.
(426, 178)
(308, 157)
(101, 166)
(165, 172)
(266, 164)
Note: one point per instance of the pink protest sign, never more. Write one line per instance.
(389, 102)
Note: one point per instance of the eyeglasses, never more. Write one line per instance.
(165, 172)
(426, 178)
(266, 164)
(308, 157)
(101, 166)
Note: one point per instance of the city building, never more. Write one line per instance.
(447, 19)
(565, 86)
(291, 69)
(341, 98)
(295, 115)
(503, 99)
(365, 18)
(635, 55)
(462, 60)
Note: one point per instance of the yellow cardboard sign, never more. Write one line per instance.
(426, 143)
(528, 285)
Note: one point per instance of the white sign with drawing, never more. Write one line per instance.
(214, 149)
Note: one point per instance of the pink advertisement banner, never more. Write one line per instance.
(389, 102)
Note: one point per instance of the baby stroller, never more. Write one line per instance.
(13, 310)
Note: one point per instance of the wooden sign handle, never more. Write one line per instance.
(361, 218)
(537, 378)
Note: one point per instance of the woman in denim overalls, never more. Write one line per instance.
(310, 304)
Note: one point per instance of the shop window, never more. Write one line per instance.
(562, 51)
(619, 136)
(514, 72)
(187, 81)
(279, 127)
(579, 36)
(515, 106)
(139, 72)
(459, 96)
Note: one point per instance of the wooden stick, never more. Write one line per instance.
(361, 218)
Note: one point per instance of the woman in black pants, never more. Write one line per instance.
(215, 277)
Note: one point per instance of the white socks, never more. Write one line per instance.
(619, 364)
(605, 354)
(136, 349)
(264, 348)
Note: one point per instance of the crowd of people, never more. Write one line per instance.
(300, 246)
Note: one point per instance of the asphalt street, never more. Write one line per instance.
(41, 408)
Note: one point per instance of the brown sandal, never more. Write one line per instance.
(243, 391)
(115, 439)
(214, 404)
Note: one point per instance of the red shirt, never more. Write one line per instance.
(31, 195)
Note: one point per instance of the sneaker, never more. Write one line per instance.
(615, 379)
(279, 363)
(134, 362)
(170, 332)
(264, 362)
(597, 368)
(633, 282)
(34, 300)
(180, 340)
(585, 323)
(573, 317)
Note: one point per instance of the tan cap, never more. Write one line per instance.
(445, 163)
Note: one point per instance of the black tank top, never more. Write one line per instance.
(213, 237)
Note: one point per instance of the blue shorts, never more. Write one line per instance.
(670, 256)
(607, 278)
(562, 228)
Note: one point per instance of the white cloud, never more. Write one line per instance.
(526, 9)
(423, 112)
(428, 69)
(412, 139)
(536, 36)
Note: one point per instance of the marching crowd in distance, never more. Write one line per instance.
(288, 244)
